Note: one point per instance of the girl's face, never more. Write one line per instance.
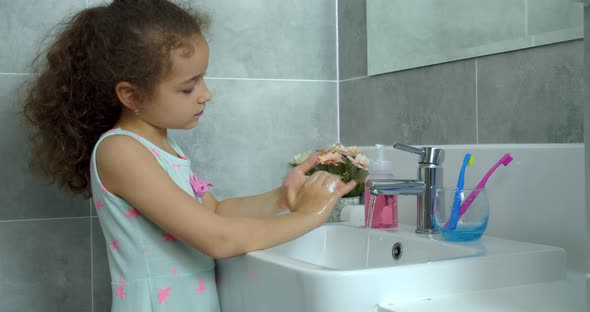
(179, 100)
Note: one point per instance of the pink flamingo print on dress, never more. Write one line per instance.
(175, 165)
(121, 288)
(201, 286)
(174, 271)
(104, 189)
(121, 292)
(98, 204)
(164, 294)
(199, 186)
(154, 151)
(132, 213)
(168, 237)
(114, 244)
(182, 156)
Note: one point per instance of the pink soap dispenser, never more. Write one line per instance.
(385, 210)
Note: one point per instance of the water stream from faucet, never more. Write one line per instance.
(372, 201)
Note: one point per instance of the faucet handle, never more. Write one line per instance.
(408, 148)
(428, 154)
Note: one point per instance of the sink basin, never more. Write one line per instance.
(330, 269)
(345, 248)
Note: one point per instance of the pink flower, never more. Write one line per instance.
(299, 158)
(353, 151)
(346, 151)
(360, 161)
(339, 148)
(347, 162)
(330, 158)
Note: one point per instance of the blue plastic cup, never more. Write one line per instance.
(471, 224)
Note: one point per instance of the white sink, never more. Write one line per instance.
(345, 248)
(329, 269)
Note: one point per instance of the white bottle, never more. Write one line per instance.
(385, 210)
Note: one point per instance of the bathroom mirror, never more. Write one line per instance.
(403, 34)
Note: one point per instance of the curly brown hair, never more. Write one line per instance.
(72, 101)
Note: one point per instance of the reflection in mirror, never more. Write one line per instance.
(404, 34)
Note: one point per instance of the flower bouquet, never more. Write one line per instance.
(347, 162)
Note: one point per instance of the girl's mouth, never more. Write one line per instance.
(199, 114)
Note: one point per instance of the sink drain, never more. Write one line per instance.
(396, 251)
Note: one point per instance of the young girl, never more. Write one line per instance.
(115, 80)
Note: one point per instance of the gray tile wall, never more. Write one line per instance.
(274, 80)
(551, 15)
(273, 77)
(287, 39)
(416, 107)
(399, 32)
(352, 39)
(525, 96)
(532, 95)
(44, 232)
(587, 138)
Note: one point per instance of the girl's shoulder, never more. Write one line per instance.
(117, 155)
(164, 157)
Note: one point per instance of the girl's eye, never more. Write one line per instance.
(188, 91)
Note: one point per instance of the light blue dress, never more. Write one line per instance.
(150, 269)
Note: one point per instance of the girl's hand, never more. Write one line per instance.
(294, 181)
(318, 196)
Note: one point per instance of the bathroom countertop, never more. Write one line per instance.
(533, 297)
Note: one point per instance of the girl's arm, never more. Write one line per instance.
(130, 171)
(261, 205)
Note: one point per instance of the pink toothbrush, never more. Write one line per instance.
(505, 160)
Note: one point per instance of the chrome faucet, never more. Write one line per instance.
(430, 177)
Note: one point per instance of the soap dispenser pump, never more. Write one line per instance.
(385, 206)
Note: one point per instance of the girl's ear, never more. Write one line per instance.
(128, 95)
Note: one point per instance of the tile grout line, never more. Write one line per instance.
(270, 79)
(42, 219)
(526, 18)
(16, 74)
(91, 258)
(337, 76)
(91, 245)
(476, 105)
(223, 78)
(526, 21)
(353, 78)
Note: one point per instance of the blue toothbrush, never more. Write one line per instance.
(452, 223)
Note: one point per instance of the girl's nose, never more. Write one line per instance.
(206, 96)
